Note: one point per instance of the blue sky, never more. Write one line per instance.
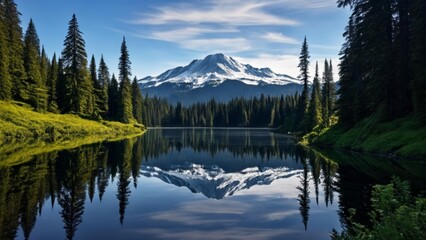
(163, 34)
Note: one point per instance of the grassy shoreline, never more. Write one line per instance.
(403, 138)
(24, 132)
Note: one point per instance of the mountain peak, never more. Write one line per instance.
(214, 69)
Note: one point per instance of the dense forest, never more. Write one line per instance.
(383, 63)
(64, 84)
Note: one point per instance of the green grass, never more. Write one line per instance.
(24, 132)
(405, 137)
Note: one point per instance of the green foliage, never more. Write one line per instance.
(393, 81)
(5, 79)
(23, 128)
(328, 93)
(304, 76)
(265, 111)
(402, 137)
(136, 101)
(125, 90)
(78, 87)
(51, 84)
(113, 99)
(103, 82)
(14, 47)
(315, 108)
(394, 215)
(33, 89)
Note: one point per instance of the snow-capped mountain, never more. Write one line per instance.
(212, 181)
(214, 76)
(214, 70)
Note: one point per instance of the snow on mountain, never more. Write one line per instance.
(214, 70)
(213, 181)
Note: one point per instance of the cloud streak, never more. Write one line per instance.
(279, 38)
(230, 13)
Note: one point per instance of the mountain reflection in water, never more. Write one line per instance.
(249, 184)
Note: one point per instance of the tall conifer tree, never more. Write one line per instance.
(103, 82)
(136, 101)
(52, 79)
(76, 74)
(13, 33)
(44, 65)
(33, 89)
(126, 109)
(113, 99)
(5, 79)
(315, 109)
(304, 77)
(96, 87)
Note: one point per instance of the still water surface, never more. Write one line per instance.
(191, 184)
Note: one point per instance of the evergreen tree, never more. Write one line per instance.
(315, 115)
(33, 90)
(14, 47)
(96, 87)
(52, 79)
(136, 101)
(125, 108)
(44, 66)
(62, 89)
(5, 79)
(304, 76)
(77, 78)
(103, 82)
(113, 99)
(328, 92)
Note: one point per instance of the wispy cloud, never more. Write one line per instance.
(230, 13)
(284, 63)
(279, 38)
(213, 45)
(184, 33)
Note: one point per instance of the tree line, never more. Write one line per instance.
(315, 106)
(383, 64)
(265, 111)
(64, 84)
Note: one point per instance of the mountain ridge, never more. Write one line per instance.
(220, 77)
(214, 69)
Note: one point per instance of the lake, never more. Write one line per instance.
(192, 184)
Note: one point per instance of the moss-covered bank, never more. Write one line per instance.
(405, 137)
(25, 132)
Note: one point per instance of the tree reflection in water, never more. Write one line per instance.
(67, 177)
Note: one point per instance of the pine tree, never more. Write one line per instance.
(113, 99)
(96, 87)
(44, 66)
(126, 109)
(330, 94)
(5, 79)
(136, 101)
(304, 76)
(14, 47)
(103, 82)
(77, 78)
(33, 90)
(52, 79)
(62, 90)
(315, 114)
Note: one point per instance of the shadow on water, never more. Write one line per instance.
(206, 161)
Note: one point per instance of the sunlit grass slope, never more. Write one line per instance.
(405, 137)
(24, 132)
